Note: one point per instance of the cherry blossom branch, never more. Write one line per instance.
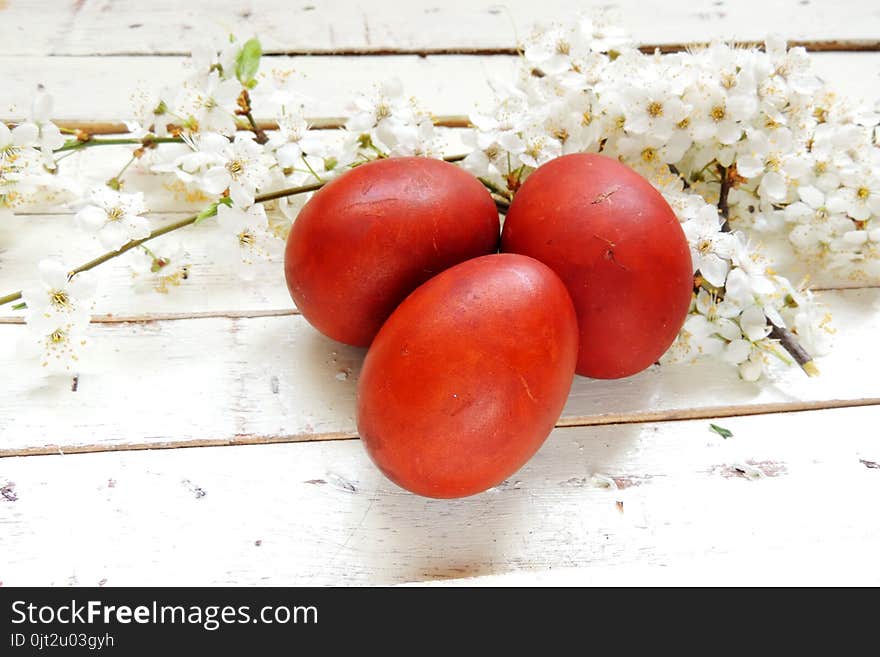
(88, 141)
(9, 298)
(315, 123)
(786, 338)
(183, 223)
(164, 230)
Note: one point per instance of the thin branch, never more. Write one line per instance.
(260, 134)
(164, 230)
(133, 244)
(496, 190)
(675, 171)
(789, 342)
(723, 194)
(502, 204)
(315, 123)
(787, 339)
(282, 193)
(77, 144)
(9, 298)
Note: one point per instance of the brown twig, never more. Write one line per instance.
(723, 203)
(675, 171)
(787, 339)
(315, 123)
(789, 342)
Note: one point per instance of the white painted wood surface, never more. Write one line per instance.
(446, 84)
(319, 513)
(217, 362)
(88, 27)
(270, 379)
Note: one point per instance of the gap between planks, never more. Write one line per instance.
(813, 45)
(171, 317)
(315, 123)
(672, 415)
(147, 318)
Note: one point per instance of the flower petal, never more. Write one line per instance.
(53, 273)
(91, 218)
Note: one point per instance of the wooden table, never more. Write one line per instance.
(215, 428)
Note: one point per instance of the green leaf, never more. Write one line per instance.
(70, 144)
(207, 213)
(248, 61)
(211, 210)
(721, 431)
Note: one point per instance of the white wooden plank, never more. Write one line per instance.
(445, 84)
(814, 564)
(214, 381)
(320, 513)
(449, 84)
(126, 26)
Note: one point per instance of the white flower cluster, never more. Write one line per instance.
(224, 157)
(27, 157)
(735, 139)
(57, 315)
(228, 156)
(738, 141)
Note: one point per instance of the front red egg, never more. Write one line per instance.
(467, 378)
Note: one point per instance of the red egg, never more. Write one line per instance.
(468, 376)
(369, 238)
(619, 248)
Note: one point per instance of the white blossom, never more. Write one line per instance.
(244, 237)
(215, 164)
(161, 266)
(241, 166)
(711, 249)
(294, 140)
(208, 104)
(58, 311)
(860, 192)
(115, 217)
(39, 132)
(389, 123)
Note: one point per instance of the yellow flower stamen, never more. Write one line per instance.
(235, 168)
(59, 299)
